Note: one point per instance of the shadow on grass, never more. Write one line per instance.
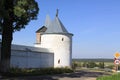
(77, 74)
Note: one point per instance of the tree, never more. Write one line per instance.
(14, 15)
(91, 64)
(74, 65)
(101, 65)
(85, 64)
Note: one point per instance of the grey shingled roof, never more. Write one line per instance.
(53, 27)
(56, 26)
(47, 21)
(42, 29)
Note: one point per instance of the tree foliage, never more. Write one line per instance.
(101, 65)
(14, 15)
(24, 11)
(89, 64)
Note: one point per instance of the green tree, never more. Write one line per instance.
(74, 65)
(85, 64)
(14, 15)
(101, 65)
(91, 64)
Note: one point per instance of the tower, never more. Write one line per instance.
(53, 35)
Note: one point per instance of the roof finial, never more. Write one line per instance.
(57, 13)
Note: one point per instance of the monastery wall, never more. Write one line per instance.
(31, 57)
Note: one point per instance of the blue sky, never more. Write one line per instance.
(94, 23)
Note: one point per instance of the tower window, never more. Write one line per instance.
(59, 61)
(62, 39)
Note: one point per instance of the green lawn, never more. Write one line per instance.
(112, 77)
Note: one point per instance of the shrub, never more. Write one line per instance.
(91, 64)
(101, 65)
(85, 64)
(37, 71)
(74, 65)
(109, 66)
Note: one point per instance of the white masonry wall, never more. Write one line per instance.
(31, 57)
(61, 44)
(26, 59)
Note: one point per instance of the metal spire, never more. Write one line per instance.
(57, 13)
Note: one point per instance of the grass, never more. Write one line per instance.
(112, 77)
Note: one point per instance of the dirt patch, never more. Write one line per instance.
(81, 78)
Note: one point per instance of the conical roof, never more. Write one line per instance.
(47, 21)
(56, 26)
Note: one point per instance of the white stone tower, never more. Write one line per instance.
(53, 35)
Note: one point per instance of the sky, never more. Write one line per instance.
(94, 23)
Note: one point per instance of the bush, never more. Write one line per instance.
(89, 64)
(74, 65)
(85, 64)
(101, 65)
(36, 72)
(109, 66)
